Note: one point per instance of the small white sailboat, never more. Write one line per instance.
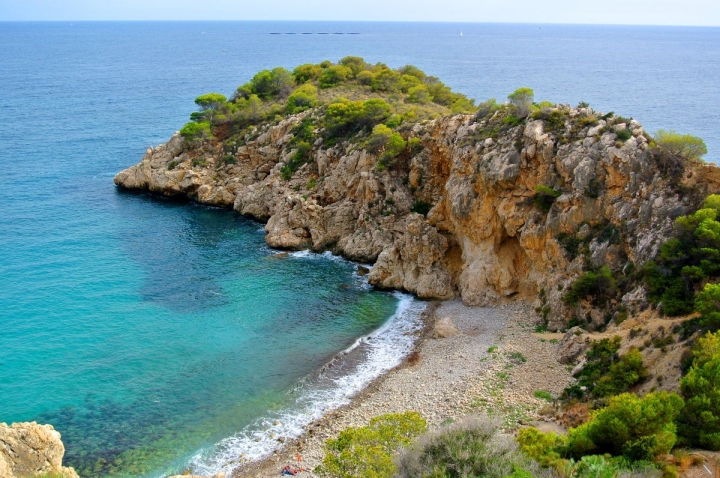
(461, 33)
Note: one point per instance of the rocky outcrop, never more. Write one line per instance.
(29, 449)
(485, 238)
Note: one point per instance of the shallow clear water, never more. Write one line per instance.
(156, 334)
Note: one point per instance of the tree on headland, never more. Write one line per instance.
(686, 146)
(522, 99)
(210, 101)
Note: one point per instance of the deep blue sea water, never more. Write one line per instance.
(157, 335)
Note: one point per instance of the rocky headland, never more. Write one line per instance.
(511, 211)
(534, 216)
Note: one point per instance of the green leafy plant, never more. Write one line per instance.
(543, 395)
(196, 131)
(522, 99)
(368, 451)
(605, 373)
(639, 428)
(545, 448)
(684, 145)
(545, 197)
(300, 157)
(623, 135)
(471, 447)
(421, 207)
(210, 101)
(700, 419)
(687, 261)
(303, 98)
(598, 287)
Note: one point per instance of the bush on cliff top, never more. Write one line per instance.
(413, 96)
(686, 146)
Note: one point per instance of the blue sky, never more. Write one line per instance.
(634, 12)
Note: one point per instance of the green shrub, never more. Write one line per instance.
(407, 82)
(556, 121)
(472, 447)
(365, 78)
(421, 207)
(522, 99)
(605, 373)
(386, 80)
(545, 197)
(623, 374)
(637, 427)
(307, 72)
(545, 448)
(686, 261)
(210, 101)
(707, 303)
(301, 156)
(419, 94)
(304, 131)
(700, 419)
(277, 82)
(543, 395)
(334, 75)
(683, 145)
(597, 287)
(356, 64)
(511, 120)
(599, 357)
(196, 131)
(623, 135)
(303, 98)
(368, 451)
(344, 117)
(602, 466)
(486, 108)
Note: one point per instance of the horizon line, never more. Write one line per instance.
(366, 21)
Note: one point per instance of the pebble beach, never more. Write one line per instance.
(491, 365)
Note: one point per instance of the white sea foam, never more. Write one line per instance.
(330, 389)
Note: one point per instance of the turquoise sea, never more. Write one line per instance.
(158, 335)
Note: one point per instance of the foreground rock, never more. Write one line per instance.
(485, 238)
(29, 449)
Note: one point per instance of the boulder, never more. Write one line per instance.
(445, 328)
(29, 449)
(573, 345)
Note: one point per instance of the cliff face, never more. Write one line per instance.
(488, 235)
(29, 449)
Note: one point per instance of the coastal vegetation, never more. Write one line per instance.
(354, 98)
(549, 159)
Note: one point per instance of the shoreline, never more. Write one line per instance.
(443, 379)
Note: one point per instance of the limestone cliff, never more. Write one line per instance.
(489, 234)
(29, 449)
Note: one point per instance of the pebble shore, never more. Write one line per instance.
(493, 366)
